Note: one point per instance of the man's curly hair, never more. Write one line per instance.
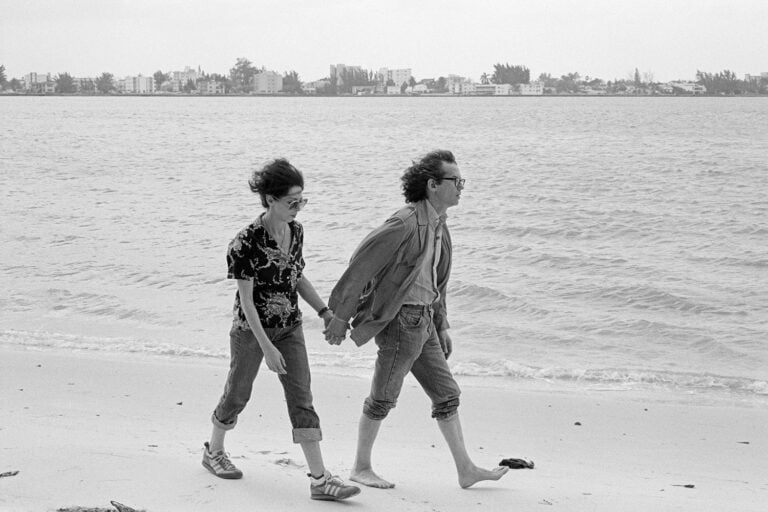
(416, 177)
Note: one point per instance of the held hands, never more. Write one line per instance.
(335, 330)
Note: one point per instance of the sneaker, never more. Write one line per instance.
(219, 464)
(330, 487)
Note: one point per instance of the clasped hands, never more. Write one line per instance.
(335, 330)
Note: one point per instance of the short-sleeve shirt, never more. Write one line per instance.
(254, 256)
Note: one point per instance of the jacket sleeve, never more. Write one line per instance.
(443, 274)
(375, 253)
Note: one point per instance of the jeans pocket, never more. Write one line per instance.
(410, 319)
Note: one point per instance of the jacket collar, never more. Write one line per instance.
(426, 214)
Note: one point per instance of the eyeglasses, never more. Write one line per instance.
(459, 182)
(297, 204)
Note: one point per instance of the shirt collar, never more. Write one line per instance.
(433, 217)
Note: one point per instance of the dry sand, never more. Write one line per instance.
(83, 429)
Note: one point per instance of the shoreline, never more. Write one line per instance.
(668, 385)
(427, 95)
(84, 428)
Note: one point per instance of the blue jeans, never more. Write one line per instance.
(246, 357)
(409, 343)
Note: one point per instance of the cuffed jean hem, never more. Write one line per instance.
(377, 410)
(446, 410)
(223, 426)
(302, 435)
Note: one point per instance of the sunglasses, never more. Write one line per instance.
(459, 182)
(297, 204)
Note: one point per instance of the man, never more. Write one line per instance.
(394, 290)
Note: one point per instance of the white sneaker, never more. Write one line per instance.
(330, 488)
(219, 464)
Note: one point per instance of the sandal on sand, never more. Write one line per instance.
(517, 463)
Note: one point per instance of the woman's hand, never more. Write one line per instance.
(327, 317)
(274, 359)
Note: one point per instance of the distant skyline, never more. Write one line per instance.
(607, 39)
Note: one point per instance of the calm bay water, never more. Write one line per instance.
(615, 241)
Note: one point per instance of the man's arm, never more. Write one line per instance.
(373, 255)
(311, 297)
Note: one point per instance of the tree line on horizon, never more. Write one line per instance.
(240, 81)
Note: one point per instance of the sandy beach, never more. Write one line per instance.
(83, 429)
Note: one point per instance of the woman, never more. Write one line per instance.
(266, 260)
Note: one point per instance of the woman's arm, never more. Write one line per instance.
(272, 356)
(311, 297)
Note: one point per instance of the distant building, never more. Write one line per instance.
(398, 76)
(690, 87)
(180, 79)
(267, 82)
(363, 90)
(211, 87)
(532, 89)
(460, 85)
(186, 75)
(137, 85)
(756, 78)
(316, 86)
(84, 84)
(453, 83)
(339, 70)
(492, 89)
(35, 80)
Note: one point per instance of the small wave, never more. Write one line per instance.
(99, 305)
(650, 297)
(44, 339)
(615, 376)
(734, 262)
(477, 292)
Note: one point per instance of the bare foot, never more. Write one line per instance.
(369, 478)
(476, 474)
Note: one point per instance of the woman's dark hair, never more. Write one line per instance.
(276, 178)
(416, 177)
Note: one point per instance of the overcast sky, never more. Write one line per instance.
(607, 39)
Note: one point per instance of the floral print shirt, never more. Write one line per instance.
(254, 256)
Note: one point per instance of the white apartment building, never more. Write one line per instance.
(398, 76)
(490, 89)
(755, 78)
(461, 85)
(690, 87)
(31, 79)
(451, 82)
(532, 89)
(267, 82)
(210, 87)
(185, 76)
(138, 84)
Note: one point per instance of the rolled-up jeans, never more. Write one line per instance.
(409, 343)
(245, 359)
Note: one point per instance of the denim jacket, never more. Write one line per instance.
(383, 267)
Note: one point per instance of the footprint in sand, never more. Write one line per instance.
(286, 462)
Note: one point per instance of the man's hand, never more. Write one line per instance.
(335, 331)
(445, 343)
